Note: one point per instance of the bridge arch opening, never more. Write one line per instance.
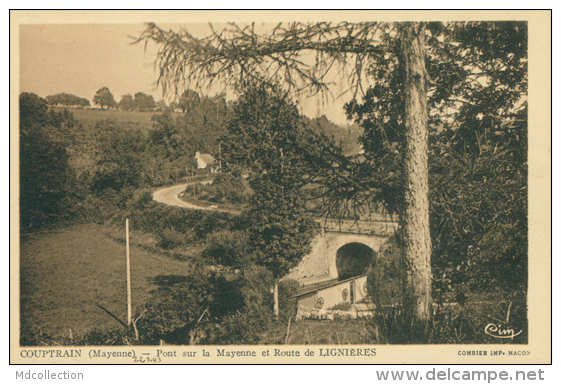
(354, 259)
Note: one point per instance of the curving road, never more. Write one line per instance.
(169, 196)
(381, 224)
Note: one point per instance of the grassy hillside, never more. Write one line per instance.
(137, 119)
(64, 274)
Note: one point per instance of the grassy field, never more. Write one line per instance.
(90, 117)
(64, 274)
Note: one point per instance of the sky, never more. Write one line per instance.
(81, 58)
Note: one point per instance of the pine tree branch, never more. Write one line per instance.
(235, 55)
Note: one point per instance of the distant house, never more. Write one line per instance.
(205, 160)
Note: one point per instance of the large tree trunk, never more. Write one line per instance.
(416, 234)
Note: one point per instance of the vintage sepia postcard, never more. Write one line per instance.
(280, 187)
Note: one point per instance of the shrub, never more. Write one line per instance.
(182, 307)
(121, 159)
(228, 188)
(169, 239)
(287, 306)
(155, 218)
(97, 336)
(143, 197)
(46, 177)
(247, 325)
(384, 277)
(342, 306)
(225, 189)
(452, 323)
(228, 248)
(243, 327)
(113, 336)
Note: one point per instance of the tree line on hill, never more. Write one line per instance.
(67, 100)
(140, 101)
(193, 103)
(105, 99)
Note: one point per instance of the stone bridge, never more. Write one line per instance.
(344, 248)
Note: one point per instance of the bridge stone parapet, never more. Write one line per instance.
(377, 228)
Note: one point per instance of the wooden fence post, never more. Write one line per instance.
(129, 306)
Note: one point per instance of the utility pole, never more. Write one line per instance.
(129, 306)
(219, 157)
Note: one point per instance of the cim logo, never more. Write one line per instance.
(501, 332)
